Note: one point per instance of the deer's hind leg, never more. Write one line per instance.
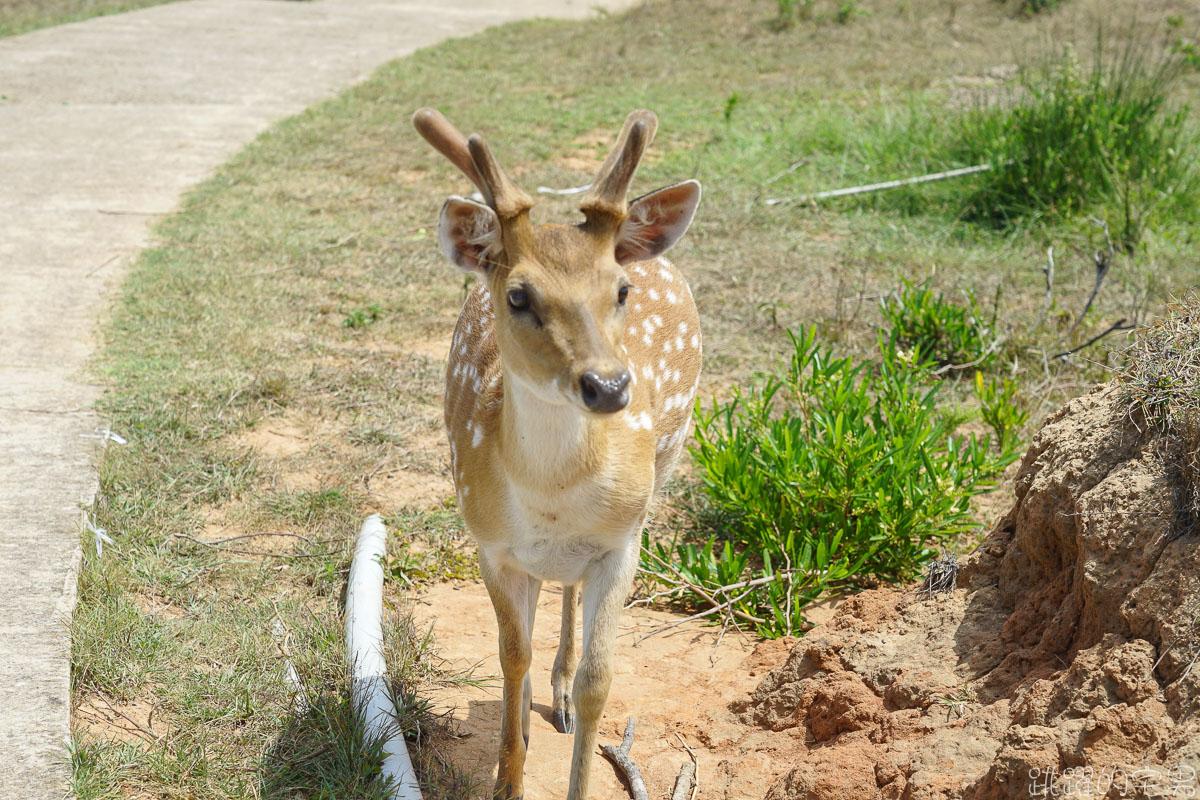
(563, 674)
(514, 596)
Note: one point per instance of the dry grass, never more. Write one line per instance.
(1160, 383)
(251, 407)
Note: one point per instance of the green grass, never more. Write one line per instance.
(22, 16)
(252, 408)
(1102, 138)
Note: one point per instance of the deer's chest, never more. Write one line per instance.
(556, 533)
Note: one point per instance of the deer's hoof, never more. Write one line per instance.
(563, 721)
(505, 791)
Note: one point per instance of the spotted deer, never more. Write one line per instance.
(569, 394)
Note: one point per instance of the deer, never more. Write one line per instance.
(569, 393)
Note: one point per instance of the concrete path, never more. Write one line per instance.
(103, 124)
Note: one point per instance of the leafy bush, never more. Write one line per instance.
(1000, 409)
(936, 329)
(1076, 138)
(831, 475)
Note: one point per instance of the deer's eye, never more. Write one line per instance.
(518, 300)
(622, 295)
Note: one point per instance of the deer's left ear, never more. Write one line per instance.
(656, 221)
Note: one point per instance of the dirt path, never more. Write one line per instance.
(667, 682)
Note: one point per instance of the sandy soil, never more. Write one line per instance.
(679, 682)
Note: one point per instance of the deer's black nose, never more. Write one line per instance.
(604, 395)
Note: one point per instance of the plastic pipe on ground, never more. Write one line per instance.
(364, 645)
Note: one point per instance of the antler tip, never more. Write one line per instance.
(425, 117)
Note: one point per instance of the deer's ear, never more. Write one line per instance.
(469, 234)
(656, 221)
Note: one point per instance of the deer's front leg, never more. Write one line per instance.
(564, 664)
(514, 595)
(605, 588)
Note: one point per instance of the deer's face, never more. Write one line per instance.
(559, 291)
(560, 313)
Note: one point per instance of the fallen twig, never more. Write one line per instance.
(795, 165)
(620, 757)
(704, 593)
(694, 774)
(876, 187)
(684, 782)
(990, 349)
(572, 190)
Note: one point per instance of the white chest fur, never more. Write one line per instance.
(556, 535)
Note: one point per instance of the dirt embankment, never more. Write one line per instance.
(1065, 663)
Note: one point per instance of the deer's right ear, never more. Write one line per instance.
(469, 234)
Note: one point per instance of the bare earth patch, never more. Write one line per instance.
(131, 722)
(1062, 664)
(667, 682)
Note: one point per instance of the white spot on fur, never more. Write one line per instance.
(695, 340)
(646, 339)
(666, 347)
(647, 372)
(641, 421)
(672, 298)
(683, 327)
(678, 342)
(666, 276)
(477, 439)
(653, 294)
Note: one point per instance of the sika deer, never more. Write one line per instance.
(568, 398)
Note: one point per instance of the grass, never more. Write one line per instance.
(22, 16)
(1160, 384)
(1102, 137)
(254, 410)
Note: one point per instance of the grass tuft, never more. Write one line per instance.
(1160, 384)
(1077, 138)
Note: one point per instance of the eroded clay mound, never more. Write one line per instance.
(1067, 645)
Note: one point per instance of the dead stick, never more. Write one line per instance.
(695, 773)
(1119, 325)
(620, 757)
(876, 187)
(683, 783)
(1048, 274)
(1103, 261)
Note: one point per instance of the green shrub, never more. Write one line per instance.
(1001, 410)
(936, 329)
(1075, 139)
(831, 475)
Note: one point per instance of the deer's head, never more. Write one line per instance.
(559, 291)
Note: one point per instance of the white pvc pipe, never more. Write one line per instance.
(364, 646)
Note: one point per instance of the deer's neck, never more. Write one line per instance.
(544, 442)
